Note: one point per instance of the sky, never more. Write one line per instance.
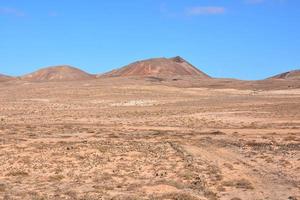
(243, 39)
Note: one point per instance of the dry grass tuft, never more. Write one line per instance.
(240, 183)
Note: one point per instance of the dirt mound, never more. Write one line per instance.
(291, 75)
(58, 73)
(158, 67)
(4, 78)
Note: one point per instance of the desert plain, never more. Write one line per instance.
(127, 138)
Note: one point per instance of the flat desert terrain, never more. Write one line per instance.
(142, 139)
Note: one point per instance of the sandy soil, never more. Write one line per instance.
(103, 139)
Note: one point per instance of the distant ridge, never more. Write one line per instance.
(58, 73)
(154, 70)
(291, 75)
(176, 66)
(4, 78)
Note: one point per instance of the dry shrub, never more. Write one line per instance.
(2, 187)
(240, 183)
(56, 177)
(179, 196)
(17, 173)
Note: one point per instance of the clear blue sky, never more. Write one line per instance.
(246, 39)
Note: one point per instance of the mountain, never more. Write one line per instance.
(176, 66)
(291, 75)
(58, 73)
(4, 78)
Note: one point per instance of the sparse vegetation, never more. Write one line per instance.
(17, 173)
(2, 187)
(72, 142)
(239, 183)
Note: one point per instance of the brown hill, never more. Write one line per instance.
(176, 66)
(4, 78)
(291, 75)
(58, 73)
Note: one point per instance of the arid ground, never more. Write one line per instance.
(108, 139)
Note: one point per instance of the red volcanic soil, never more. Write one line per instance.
(5, 78)
(58, 73)
(158, 67)
(291, 75)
